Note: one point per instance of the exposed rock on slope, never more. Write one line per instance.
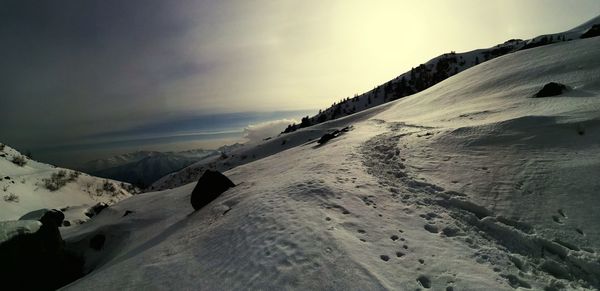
(33, 254)
(209, 187)
(551, 89)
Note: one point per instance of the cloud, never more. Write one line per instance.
(256, 133)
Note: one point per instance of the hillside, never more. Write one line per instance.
(436, 70)
(28, 185)
(470, 184)
(142, 168)
(453, 63)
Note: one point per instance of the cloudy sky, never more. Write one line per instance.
(77, 68)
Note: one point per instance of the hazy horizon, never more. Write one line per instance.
(74, 70)
(207, 132)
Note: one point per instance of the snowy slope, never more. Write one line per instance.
(471, 185)
(23, 189)
(243, 154)
(440, 68)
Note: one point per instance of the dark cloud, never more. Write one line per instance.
(77, 66)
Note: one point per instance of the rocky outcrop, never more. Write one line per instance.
(551, 89)
(33, 254)
(209, 187)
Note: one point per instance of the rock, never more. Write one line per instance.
(326, 137)
(96, 209)
(209, 187)
(48, 217)
(331, 135)
(592, 32)
(33, 254)
(551, 89)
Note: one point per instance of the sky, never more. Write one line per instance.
(71, 70)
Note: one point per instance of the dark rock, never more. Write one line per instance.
(33, 253)
(209, 187)
(96, 209)
(326, 137)
(97, 242)
(66, 223)
(592, 32)
(551, 89)
(48, 217)
(331, 135)
(127, 212)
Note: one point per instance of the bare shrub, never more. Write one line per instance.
(59, 179)
(19, 160)
(108, 186)
(12, 197)
(74, 175)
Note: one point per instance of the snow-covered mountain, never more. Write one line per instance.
(27, 185)
(142, 168)
(471, 184)
(438, 69)
(428, 75)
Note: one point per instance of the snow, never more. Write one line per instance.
(23, 190)
(457, 62)
(470, 184)
(10, 229)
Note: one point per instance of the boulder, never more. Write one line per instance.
(551, 89)
(209, 187)
(326, 137)
(96, 209)
(48, 217)
(33, 254)
(592, 32)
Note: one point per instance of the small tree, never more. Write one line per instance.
(305, 122)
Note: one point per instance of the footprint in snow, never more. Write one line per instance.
(424, 281)
(557, 219)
